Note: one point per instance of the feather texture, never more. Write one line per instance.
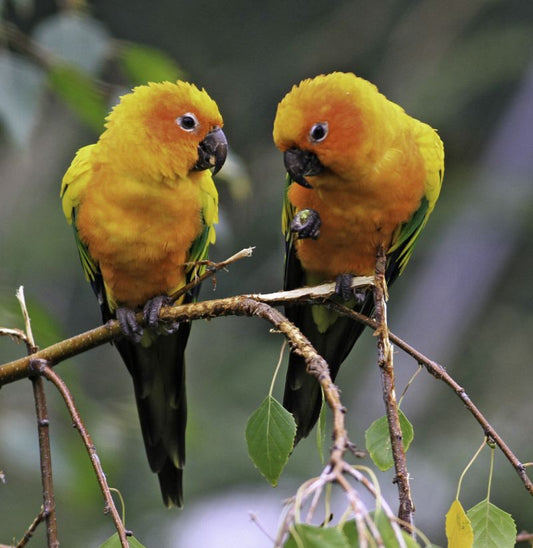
(379, 179)
(143, 214)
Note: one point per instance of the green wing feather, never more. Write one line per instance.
(200, 247)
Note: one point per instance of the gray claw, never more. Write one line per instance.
(343, 286)
(152, 308)
(129, 325)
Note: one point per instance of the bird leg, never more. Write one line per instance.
(306, 224)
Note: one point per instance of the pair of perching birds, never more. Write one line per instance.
(361, 174)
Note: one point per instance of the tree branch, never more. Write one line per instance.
(337, 470)
(385, 362)
(48, 512)
(42, 368)
(440, 373)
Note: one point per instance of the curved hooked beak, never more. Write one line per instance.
(301, 164)
(212, 151)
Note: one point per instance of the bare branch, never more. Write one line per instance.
(385, 362)
(42, 367)
(39, 518)
(48, 511)
(440, 373)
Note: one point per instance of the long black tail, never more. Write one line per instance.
(303, 396)
(158, 373)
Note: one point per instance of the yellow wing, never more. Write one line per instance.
(405, 238)
(73, 187)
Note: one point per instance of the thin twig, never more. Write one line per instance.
(39, 518)
(43, 432)
(524, 537)
(386, 367)
(440, 373)
(44, 369)
(212, 269)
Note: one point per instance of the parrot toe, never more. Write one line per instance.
(343, 286)
(152, 308)
(306, 224)
(129, 325)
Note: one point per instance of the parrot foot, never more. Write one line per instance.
(152, 308)
(306, 224)
(343, 288)
(151, 315)
(128, 324)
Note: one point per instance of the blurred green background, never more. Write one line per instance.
(465, 300)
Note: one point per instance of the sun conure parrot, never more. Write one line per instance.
(143, 206)
(361, 174)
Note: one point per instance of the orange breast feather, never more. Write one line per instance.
(358, 214)
(140, 233)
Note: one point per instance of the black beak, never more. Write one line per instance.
(212, 151)
(301, 164)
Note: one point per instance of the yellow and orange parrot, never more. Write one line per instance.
(143, 206)
(361, 173)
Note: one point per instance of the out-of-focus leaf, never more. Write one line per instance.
(378, 444)
(77, 39)
(458, 527)
(114, 542)
(493, 528)
(20, 92)
(81, 95)
(270, 438)
(146, 64)
(236, 176)
(310, 536)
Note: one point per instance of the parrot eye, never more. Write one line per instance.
(187, 122)
(318, 132)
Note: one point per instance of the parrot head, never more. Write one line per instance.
(177, 123)
(320, 127)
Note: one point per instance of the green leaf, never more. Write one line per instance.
(270, 436)
(493, 528)
(378, 444)
(146, 64)
(458, 527)
(80, 93)
(388, 536)
(310, 536)
(114, 542)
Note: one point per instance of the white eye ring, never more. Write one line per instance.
(318, 132)
(187, 122)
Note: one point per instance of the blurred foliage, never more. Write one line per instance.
(458, 65)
